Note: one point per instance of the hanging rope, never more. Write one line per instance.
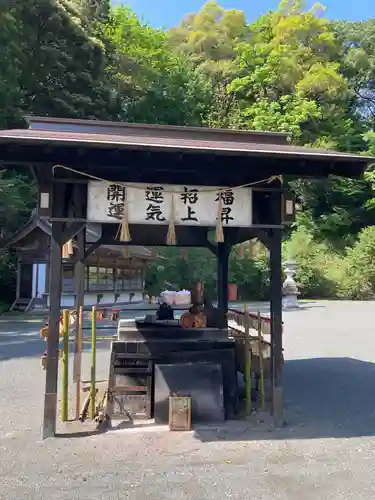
(124, 226)
(203, 189)
(171, 235)
(219, 233)
(123, 233)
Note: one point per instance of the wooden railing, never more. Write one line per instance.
(239, 317)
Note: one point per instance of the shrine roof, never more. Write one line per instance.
(92, 234)
(97, 135)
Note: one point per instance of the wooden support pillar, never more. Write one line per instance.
(50, 397)
(276, 326)
(223, 251)
(19, 271)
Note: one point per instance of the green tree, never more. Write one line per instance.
(289, 76)
(63, 71)
(209, 38)
(357, 44)
(17, 199)
(155, 84)
(11, 58)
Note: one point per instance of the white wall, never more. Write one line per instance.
(90, 299)
(39, 280)
(35, 274)
(42, 280)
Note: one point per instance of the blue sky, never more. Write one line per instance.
(166, 13)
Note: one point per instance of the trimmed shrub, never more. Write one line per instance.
(358, 278)
(316, 263)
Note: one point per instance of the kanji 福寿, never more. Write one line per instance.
(226, 215)
(227, 197)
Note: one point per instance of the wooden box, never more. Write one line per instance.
(179, 413)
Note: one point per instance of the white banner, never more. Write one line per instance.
(152, 204)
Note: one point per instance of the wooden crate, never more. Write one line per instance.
(179, 413)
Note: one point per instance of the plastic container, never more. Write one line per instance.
(183, 298)
(169, 297)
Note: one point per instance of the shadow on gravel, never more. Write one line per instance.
(30, 344)
(130, 425)
(324, 398)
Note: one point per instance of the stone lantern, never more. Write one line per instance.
(290, 290)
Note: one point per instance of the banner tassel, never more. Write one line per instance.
(124, 233)
(219, 234)
(171, 235)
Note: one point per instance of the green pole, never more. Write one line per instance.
(247, 374)
(261, 369)
(93, 363)
(65, 367)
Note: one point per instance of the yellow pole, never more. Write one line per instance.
(247, 374)
(65, 367)
(261, 370)
(78, 360)
(93, 363)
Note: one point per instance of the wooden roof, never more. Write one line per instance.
(76, 142)
(35, 223)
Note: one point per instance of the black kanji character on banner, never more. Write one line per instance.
(190, 215)
(227, 197)
(225, 215)
(116, 210)
(116, 193)
(154, 212)
(155, 194)
(189, 196)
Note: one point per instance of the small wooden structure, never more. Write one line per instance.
(99, 172)
(110, 276)
(179, 412)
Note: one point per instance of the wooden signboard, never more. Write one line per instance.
(152, 204)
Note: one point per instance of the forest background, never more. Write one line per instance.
(292, 70)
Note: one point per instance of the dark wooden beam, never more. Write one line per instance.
(80, 202)
(212, 247)
(234, 236)
(223, 251)
(91, 249)
(50, 396)
(263, 236)
(275, 249)
(147, 235)
(71, 231)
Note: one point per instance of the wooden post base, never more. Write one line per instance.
(278, 407)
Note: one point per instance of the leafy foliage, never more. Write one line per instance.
(180, 271)
(358, 280)
(155, 84)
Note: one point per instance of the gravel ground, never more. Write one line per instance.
(326, 450)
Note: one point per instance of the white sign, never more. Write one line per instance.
(152, 204)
